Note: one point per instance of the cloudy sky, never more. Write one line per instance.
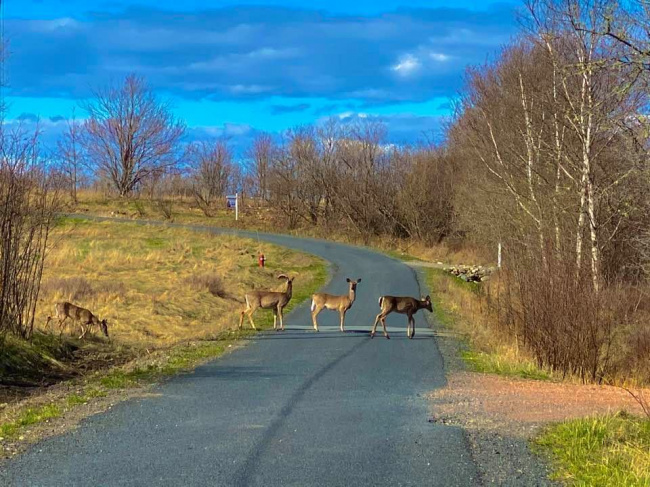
(233, 69)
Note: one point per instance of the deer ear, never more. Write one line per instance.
(358, 280)
(347, 279)
(428, 298)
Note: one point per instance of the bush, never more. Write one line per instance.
(72, 288)
(564, 323)
(211, 282)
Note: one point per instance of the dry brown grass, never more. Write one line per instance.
(157, 286)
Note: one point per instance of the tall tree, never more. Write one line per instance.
(70, 153)
(131, 134)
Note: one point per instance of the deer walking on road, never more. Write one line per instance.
(403, 305)
(338, 303)
(274, 300)
(66, 310)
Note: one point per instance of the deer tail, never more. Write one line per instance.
(381, 301)
(313, 304)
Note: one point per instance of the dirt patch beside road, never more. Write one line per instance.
(521, 406)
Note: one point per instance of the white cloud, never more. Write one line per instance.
(407, 65)
(438, 56)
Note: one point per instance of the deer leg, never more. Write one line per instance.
(383, 323)
(275, 319)
(281, 318)
(84, 330)
(314, 316)
(342, 313)
(411, 327)
(61, 325)
(374, 327)
(250, 318)
(241, 319)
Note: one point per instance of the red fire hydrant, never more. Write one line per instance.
(261, 259)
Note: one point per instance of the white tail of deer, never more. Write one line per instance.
(268, 300)
(66, 310)
(403, 305)
(341, 304)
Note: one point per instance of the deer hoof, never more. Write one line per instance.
(372, 335)
(387, 337)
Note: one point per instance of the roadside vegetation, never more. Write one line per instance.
(603, 451)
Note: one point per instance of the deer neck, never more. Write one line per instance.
(352, 294)
(289, 290)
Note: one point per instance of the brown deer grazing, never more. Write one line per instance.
(403, 305)
(268, 300)
(330, 301)
(63, 311)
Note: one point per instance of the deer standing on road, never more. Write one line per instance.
(274, 300)
(330, 301)
(403, 305)
(66, 310)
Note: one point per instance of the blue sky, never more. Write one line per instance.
(232, 69)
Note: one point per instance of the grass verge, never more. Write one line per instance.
(459, 309)
(602, 451)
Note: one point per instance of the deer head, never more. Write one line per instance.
(353, 284)
(426, 303)
(104, 327)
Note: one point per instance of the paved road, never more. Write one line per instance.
(294, 408)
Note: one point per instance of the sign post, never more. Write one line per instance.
(236, 206)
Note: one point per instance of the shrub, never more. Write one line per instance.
(212, 282)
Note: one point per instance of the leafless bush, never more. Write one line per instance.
(565, 323)
(166, 207)
(640, 397)
(28, 207)
(139, 208)
(114, 288)
(211, 282)
(72, 288)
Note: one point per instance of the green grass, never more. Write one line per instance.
(494, 363)
(29, 417)
(612, 450)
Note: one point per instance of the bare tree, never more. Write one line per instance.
(130, 134)
(212, 172)
(261, 155)
(70, 153)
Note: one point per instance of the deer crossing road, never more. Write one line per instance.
(292, 408)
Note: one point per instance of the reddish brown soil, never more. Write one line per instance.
(521, 406)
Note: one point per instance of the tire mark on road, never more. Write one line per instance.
(245, 474)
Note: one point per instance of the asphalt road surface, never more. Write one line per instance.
(295, 408)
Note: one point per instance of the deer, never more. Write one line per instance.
(66, 310)
(341, 304)
(274, 300)
(403, 305)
